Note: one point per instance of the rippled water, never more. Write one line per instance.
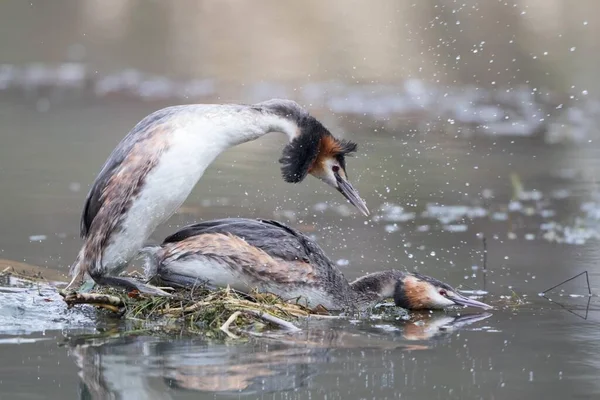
(447, 161)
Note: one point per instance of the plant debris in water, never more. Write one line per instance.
(200, 310)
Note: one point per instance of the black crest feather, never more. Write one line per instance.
(300, 153)
(347, 147)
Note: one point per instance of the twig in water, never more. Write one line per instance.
(101, 300)
(225, 326)
(587, 278)
(288, 326)
(484, 263)
(587, 307)
(570, 279)
(319, 316)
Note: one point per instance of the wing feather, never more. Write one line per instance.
(272, 237)
(145, 130)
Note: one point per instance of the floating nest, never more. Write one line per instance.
(200, 310)
(197, 311)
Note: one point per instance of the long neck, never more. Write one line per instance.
(203, 131)
(236, 124)
(216, 127)
(376, 287)
(254, 125)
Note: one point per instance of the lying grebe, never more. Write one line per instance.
(269, 256)
(155, 167)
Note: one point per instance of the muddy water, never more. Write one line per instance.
(443, 165)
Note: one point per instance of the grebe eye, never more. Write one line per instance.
(335, 168)
(443, 292)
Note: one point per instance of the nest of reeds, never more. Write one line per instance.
(201, 310)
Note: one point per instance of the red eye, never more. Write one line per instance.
(335, 168)
(443, 292)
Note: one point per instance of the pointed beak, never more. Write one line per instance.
(345, 188)
(467, 302)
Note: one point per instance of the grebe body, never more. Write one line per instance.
(245, 254)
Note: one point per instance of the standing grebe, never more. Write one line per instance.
(267, 255)
(155, 167)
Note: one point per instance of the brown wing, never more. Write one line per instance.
(127, 166)
(272, 237)
(241, 256)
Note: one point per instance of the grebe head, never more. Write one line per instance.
(315, 151)
(419, 292)
(411, 291)
(330, 167)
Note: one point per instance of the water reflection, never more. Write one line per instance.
(146, 367)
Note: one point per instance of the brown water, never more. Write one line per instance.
(439, 166)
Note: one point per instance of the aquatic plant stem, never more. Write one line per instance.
(288, 326)
(230, 320)
(485, 263)
(101, 300)
(570, 279)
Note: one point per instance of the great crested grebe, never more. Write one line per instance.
(267, 255)
(155, 167)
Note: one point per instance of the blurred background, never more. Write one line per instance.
(475, 120)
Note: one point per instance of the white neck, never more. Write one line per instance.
(229, 125)
(266, 124)
(201, 132)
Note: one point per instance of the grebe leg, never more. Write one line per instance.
(130, 284)
(101, 277)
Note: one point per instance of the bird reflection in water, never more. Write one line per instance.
(150, 367)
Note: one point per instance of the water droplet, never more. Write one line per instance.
(37, 238)
(342, 262)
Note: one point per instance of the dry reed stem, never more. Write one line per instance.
(235, 303)
(288, 326)
(103, 300)
(225, 326)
